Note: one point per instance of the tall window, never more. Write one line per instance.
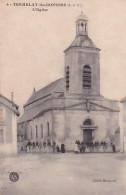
(36, 131)
(1, 114)
(86, 76)
(31, 133)
(48, 130)
(1, 136)
(67, 77)
(25, 132)
(41, 131)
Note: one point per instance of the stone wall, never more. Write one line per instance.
(76, 59)
(40, 123)
(67, 126)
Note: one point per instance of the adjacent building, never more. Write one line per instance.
(8, 125)
(72, 108)
(123, 124)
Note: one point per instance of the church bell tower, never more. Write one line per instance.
(82, 67)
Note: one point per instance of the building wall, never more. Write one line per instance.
(34, 128)
(9, 128)
(124, 118)
(8, 122)
(123, 126)
(67, 126)
(59, 126)
(76, 59)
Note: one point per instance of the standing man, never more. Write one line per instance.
(62, 148)
(54, 146)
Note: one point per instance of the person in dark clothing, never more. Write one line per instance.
(44, 144)
(113, 147)
(54, 146)
(82, 147)
(78, 142)
(57, 148)
(36, 143)
(28, 145)
(49, 143)
(33, 144)
(62, 148)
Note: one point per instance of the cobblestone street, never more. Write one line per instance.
(64, 174)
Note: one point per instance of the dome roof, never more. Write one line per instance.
(81, 17)
(83, 41)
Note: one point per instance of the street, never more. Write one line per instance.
(64, 174)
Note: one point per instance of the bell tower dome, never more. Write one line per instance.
(81, 25)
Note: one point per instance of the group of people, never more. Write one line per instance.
(81, 147)
(57, 148)
(36, 146)
(32, 146)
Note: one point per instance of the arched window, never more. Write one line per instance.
(31, 134)
(41, 131)
(67, 77)
(48, 130)
(86, 76)
(1, 136)
(36, 131)
(25, 132)
(88, 122)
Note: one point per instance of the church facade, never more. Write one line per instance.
(72, 108)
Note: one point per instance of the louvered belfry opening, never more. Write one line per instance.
(86, 76)
(67, 77)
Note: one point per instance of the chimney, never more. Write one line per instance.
(34, 90)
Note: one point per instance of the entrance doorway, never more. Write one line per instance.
(88, 130)
(87, 135)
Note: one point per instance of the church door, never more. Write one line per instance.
(88, 130)
(87, 135)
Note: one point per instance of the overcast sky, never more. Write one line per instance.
(32, 45)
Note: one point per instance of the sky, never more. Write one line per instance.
(32, 45)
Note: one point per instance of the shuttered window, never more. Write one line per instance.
(67, 77)
(86, 76)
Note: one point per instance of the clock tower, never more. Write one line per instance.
(82, 67)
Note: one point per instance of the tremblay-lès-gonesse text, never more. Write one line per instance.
(39, 4)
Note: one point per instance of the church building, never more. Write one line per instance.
(72, 108)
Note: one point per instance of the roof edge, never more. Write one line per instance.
(82, 47)
(9, 100)
(28, 103)
(123, 100)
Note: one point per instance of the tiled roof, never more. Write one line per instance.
(82, 41)
(45, 91)
(123, 100)
(79, 40)
(56, 86)
(29, 114)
